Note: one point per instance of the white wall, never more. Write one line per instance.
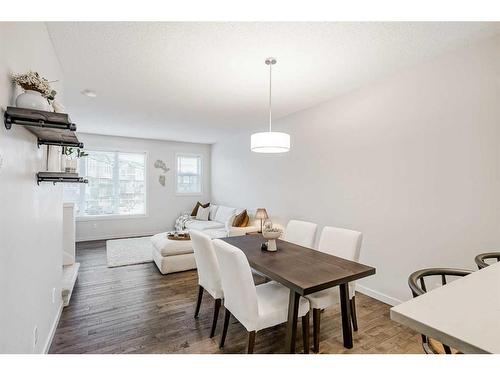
(164, 206)
(30, 215)
(412, 161)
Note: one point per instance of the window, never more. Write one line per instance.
(117, 184)
(189, 177)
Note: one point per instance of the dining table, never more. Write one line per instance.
(304, 271)
(463, 314)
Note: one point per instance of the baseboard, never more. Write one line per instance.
(115, 236)
(378, 295)
(53, 328)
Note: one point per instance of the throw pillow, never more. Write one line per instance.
(246, 221)
(202, 213)
(229, 221)
(198, 204)
(224, 213)
(213, 210)
(239, 220)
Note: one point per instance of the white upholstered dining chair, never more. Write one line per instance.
(346, 244)
(208, 273)
(255, 307)
(300, 233)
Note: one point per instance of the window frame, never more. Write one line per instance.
(146, 189)
(186, 154)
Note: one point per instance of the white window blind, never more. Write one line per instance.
(189, 174)
(117, 184)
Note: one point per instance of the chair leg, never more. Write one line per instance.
(216, 316)
(251, 342)
(198, 303)
(353, 314)
(227, 316)
(316, 328)
(305, 333)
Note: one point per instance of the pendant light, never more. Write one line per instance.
(270, 142)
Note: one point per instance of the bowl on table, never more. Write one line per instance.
(271, 236)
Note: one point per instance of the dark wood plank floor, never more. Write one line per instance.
(136, 309)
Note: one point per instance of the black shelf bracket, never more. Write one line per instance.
(50, 128)
(9, 121)
(54, 180)
(61, 143)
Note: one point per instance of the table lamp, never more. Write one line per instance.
(261, 214)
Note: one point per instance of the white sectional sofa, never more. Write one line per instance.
(219, 223)
(174, 256)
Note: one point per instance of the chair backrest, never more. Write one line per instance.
(418, 277)
(418, 287)
(206, 263)
(300, 232)
(240, 295)
(481, 259)
(344, 243)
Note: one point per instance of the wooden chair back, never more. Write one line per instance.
(418, 286)
(481, 259)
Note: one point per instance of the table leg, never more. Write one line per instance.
(346, 315)
(291, 328)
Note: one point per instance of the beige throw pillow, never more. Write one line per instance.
(202, 213)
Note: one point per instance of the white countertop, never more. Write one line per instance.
(464, 314)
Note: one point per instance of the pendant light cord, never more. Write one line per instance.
(270, 88)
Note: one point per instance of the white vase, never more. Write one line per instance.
(34, 100)
(58, 107)
(271, 245)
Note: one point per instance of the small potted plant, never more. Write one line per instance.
(72, 154)
(37, 91)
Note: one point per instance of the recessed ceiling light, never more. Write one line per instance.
(89, 93)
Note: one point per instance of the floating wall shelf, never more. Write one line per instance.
(53, 129)
(59, 177)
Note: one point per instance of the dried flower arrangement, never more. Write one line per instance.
(33, 81)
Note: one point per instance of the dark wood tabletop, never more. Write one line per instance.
(299, 268)
(303, 271)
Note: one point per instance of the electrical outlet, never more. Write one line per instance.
(94, 225)
(53, 295)
(35, 337)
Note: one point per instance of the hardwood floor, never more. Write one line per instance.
(136, 309)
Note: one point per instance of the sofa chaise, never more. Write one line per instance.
(175, 256)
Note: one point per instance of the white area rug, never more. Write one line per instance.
(129, 251)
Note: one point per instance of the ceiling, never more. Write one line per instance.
(199, 82)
